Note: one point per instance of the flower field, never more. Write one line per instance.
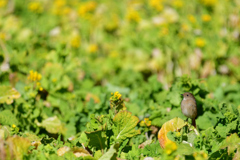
(102, 79)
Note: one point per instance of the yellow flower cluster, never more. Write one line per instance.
(156, 4)
(14, 126)
(178, 3)
(86, 8)
(146, 122)
(191, 18)
(3, 3)
(35, 7)
(60, 7)
(206, 18)
(200, 155)
(92, 48)
(200, 42)
(2, 36)
(34, 76)
(117, 95)
(75, 41)
(133, 16)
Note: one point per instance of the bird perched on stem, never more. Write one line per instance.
(189, 107)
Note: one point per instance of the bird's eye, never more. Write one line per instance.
(187, 94)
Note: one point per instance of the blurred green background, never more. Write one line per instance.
(66, 57)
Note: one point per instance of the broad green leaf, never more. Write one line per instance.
(111, 154)
(207, 120)
(174, 124)
(174, 98)
(185, 149)
(7, 118)
(97, 139)
(124, 126)
(53, 125)
(7, 94)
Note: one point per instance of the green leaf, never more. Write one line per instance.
(185, 149)
(111, 154)
(207, 120)
(7, 94)
(174, 98)
(53, 125)
(7, 118)
(97, 139)
(124, 126)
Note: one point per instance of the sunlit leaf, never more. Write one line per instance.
(53, 125)
(111, 153)
(8, 94)
(172, 125)
(232, 142)
(20, 145)
(124, 126)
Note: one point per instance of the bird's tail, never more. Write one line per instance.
(194, 122)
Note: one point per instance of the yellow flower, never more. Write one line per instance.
(200, 155)
(178, 134)
(142, 123)
(156, 4)
(34, 76)
(35, 7)
(185, 27)
(54, 80)
(66, 10)
(206, 18)
(147, 122)
(75, 41)
(60, 3)
(178, 3)
(117, 95)
(3, 3)
(14, 126)
(191, 18)
(133, 16)
(86, 8)
(200, 42)
(2, 36)
(40, 88)
(93, 48)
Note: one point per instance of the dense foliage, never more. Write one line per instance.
(98, 79)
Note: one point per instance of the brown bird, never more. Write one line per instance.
(189, 107)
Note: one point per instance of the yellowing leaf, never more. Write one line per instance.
(232, 142)
(61, 151)
(173, 125)
(124, 126)
(80, 152)
(7, 94)
(20, 146)
(52, 125)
